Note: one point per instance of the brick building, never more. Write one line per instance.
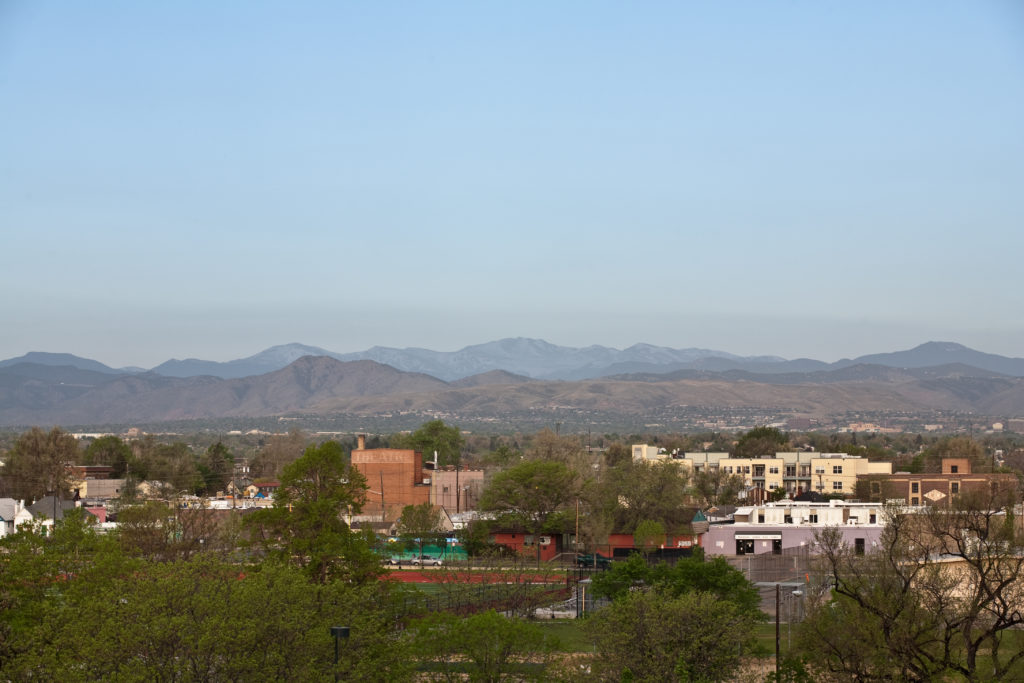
(395, 477)
(933, 488)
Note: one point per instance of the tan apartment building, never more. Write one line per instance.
(796, 472)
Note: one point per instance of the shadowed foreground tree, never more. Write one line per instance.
(201, 619)
(687, 575)
(486, 646)
(650, 635)
(940, 596)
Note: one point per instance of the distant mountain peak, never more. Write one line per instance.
(940, 346)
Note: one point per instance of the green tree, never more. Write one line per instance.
(306, 524)
(218, 466)
(617, 454)
(419, 523)
(531, 493)
(761, 441)
(110, 450)
(474, 538)
(648, 535)
(172, 465)
(687, 575)
(204, 619)
(486, 646)
(434, 436)
(38, 464)
(715, 487)
(636, 491)
(648, 635)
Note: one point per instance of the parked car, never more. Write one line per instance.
(427, 561)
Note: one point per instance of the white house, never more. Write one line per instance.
(13, 514)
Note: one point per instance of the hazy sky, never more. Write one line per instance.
(197, 179)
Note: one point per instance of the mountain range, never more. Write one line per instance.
(503, 377)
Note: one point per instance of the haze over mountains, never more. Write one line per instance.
(503, 377)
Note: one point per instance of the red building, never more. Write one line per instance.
(394, 476)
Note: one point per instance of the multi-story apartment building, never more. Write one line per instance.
(796, 472)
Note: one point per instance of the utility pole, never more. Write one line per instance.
(778, 594)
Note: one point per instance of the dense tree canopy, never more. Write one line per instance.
(109, 450)
(531, 492)
(37, 465)
(688, 574)
(761, 441)
(76, 608)
(433, 436)
(306, 525)
(650, 635)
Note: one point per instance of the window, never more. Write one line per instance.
(790, 470)
(837, 469)
(772, 486)
(813, 518)
(876, 488)
(819, 470)
(914, 501)
(873, 518)
(787, 519)
(760, 518)
(837, 486)
(858, 546)
(954, 469)
(773, 470)
(914, 487)
(954, 487)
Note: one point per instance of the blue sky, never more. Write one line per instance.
(196, 179)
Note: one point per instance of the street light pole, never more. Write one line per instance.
(338, 632)
(778, 662)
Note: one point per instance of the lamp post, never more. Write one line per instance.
(338, 632)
